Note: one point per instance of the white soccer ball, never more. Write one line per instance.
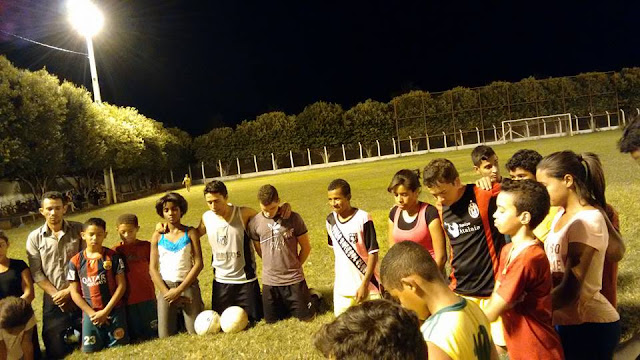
(207, 322)
(234, 319)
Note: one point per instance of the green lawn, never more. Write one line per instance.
(306, 191)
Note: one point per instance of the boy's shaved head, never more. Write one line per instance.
(404, 259)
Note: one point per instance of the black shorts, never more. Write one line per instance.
(281, 302)
(246, 295)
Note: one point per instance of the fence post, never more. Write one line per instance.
(510, 133)
(190, 171)
(219, 167)
(445, 139)
(326, 157)
(344, 154)
(273, 162)
(255, 162)
(608, 119)
(544, 127)
(359, 144)
(478, 133)
(577, 123)
(495, 132)
(238, 163)
(504, 135)
(411, 143)
(378, 144)
(461, 138)
(107, 185)
(526, 123)
(113, 185)
(309, 156)
(624, 120)
(204, 177)
(428, 145)
(171, 173)
(592, 123)
(394, 146)
(291, 157)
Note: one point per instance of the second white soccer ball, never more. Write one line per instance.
(234, 319)
(207, 322)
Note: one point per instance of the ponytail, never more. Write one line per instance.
(586, 170)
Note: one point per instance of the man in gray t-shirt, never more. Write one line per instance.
(284, 289)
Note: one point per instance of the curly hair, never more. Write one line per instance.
(376, 329)
(524, 159)
(175, 198)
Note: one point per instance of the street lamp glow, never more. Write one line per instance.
(85, 17)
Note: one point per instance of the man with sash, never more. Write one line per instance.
(353, 238)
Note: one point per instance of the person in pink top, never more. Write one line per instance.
(414, 220)
(576, 246)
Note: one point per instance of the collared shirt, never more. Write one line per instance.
(48, 256)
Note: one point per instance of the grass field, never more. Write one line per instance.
(306, 191)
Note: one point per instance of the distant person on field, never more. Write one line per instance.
(414, 220)
(376, 329)
(49, 249)
(522, 295)
(140, 297)
(174, 265)
(474, 241)
(15, 280)
(580, 238)
(97, 283)
(351, 234)
(187, 182)
(276, 240)
(485, 164)
(453, 328)
(17, 330)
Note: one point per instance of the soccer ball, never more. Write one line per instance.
(234, 319)
(207, 322)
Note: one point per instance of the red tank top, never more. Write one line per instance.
(419, 233)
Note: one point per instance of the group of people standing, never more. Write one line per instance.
(533, 265)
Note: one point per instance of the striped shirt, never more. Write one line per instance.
(97, 276)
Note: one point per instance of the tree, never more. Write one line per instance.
(39, 112)
(321, 124)
(274, 132)
(217, 144)
(370, 121)
(9, 144)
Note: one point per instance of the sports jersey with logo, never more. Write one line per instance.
(460, 330)
(352, 242)
(474, 241)
(97, 276)
(234, 259)
(139, 284)
(279, 243)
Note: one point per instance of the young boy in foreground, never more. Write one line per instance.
(522, 295)
(284, 289)
(376, 329)
(140, 297)
(97, 285)
(453, 327)
(352, 236)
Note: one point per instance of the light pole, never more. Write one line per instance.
(87, 19)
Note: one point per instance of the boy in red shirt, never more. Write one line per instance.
(97, 284)
(522, 294)
(142, 312)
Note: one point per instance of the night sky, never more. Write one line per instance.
(199, 65)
